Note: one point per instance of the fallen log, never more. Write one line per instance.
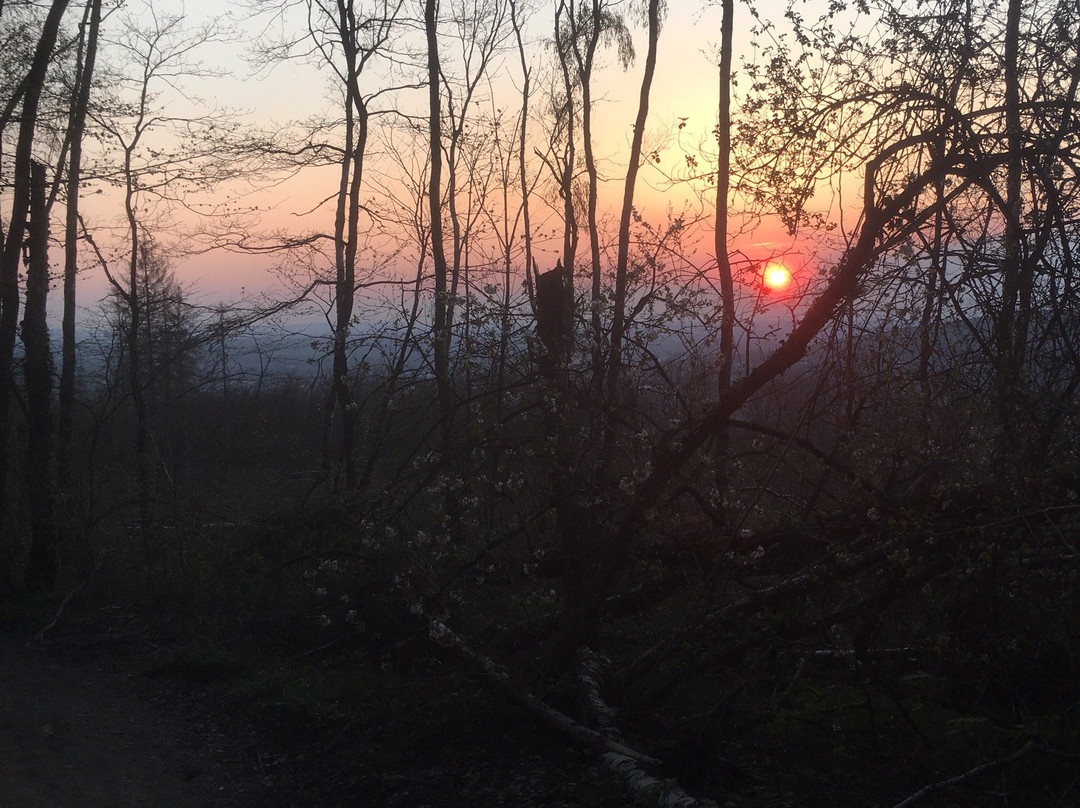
(615, 756)
(547, 715)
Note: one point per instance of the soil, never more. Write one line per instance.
(75, 733)
(92, 723)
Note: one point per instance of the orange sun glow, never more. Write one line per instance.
(775, 276)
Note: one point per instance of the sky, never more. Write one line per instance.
(684, 90)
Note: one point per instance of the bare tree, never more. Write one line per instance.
(28, 92)
(584, 27)
(633, 163)
(163, 157)
(441, 326)
(38, 366)
(80, 100)
(351, 39)
(918, 170)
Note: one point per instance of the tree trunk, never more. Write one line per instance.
(11, 248)
(346, 236)
(80, 103)
(38, 370)
(566, 181)
(723, 186)
(720, 246)
(1011, 331)
(134, 302)
(618, 323)
(585, 66)
(441, 325)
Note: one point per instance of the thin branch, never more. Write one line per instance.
(959, 779)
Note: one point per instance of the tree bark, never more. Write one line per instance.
(566, 181)
(79, 105)
(441, 325)
(1011, 327)
(585, 66)
(11, 248)
(618, 323)
(346, 236)
(38, 371)
(720, 247)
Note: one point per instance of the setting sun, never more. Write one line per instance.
(775, 276)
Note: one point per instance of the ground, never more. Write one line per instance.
(73, 733)
(115, 722)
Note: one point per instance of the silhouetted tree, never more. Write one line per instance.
(38, 370)
(25, 99)
(89, 30)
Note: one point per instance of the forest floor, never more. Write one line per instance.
(73, 732)
(111, 721)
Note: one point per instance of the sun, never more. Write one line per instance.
(775, 276)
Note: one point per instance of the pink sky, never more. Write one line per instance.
(684, 89)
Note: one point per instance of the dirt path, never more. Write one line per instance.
(83, 725)
(73, 735)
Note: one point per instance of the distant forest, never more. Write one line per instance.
(754, 545)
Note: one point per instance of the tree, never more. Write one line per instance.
(920, 156)
(580, 28)
(163, 158)
(351, 39)
(80, 101)
(580, 475)
(443, 315)
(42, 566)
(28, 92)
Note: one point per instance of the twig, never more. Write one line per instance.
(926, 791)
(40, 636)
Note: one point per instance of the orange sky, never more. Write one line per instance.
(684, 90)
